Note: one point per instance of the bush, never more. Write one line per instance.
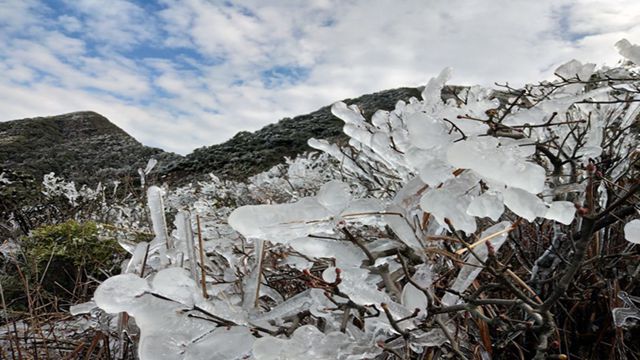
(66, 259)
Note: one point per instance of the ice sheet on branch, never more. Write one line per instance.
(629, 51)
(488, 204)
(500, 160)
(452, 200)
(307, 342)
(469, 272)
(414, 298)
(524, 203)
(319, 214)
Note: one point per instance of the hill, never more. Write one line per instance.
(82, 146)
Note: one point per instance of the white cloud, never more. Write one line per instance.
(183, 74)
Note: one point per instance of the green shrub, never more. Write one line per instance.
(65, 258)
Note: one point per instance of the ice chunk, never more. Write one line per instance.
(487, 205)
(334, 196)
(451, 202)
(630, 310)
(426, 132)
(150, 165)
(83, 308)
(497, 161)
(156, 209)
(348, 114)
(414, 298)
(469, 272)
(432, 93)
(629, 51)
(524, 203)
(174, 283)
(345, 253)
(632, 231)
(118, 293)
(561, 211)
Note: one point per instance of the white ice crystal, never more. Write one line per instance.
(632, 231)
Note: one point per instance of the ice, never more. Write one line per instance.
(561, 211)
(414, 298)
(234, 343)
(432, 93)
(426, 132)
(185, 240)
(83, 308)
(135, 263)
(629, 51)
(284, 222)
(345, 253)
(174, 283)
(348, 114)
(487, 205)
(150, 165)
(313, 300)
(156, 209)
(334, 196)
(251, 283)
(524, 204)
(630, 310)
(632, 231)
(469, 272)
(118, 293)
(451, 202)
(500, 162)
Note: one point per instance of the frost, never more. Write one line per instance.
(632, 231)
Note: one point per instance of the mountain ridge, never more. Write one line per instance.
(87, 148)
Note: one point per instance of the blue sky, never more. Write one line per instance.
(180, 74)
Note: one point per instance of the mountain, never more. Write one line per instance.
(86, 147)
(81, 146)
(249, 153)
